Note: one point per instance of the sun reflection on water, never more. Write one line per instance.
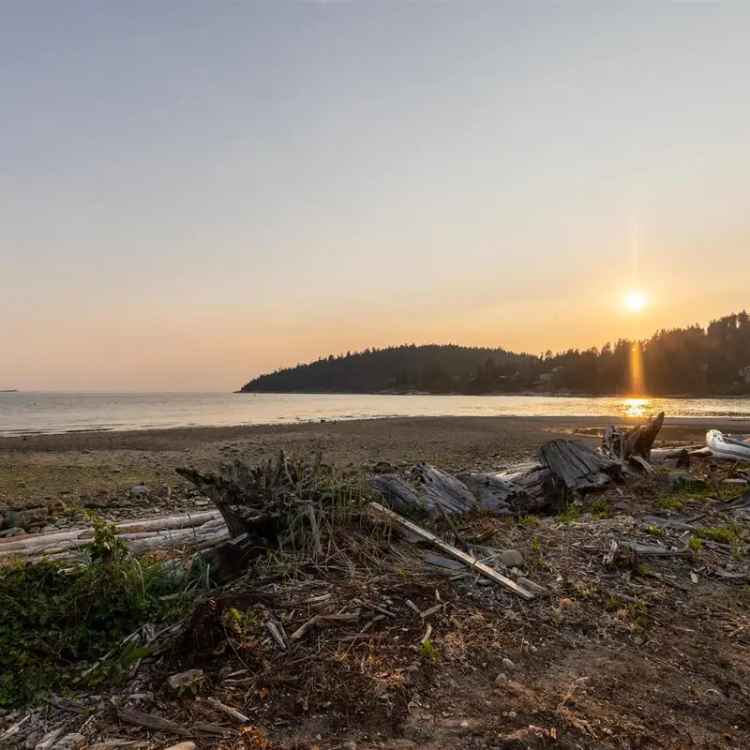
(636, 407)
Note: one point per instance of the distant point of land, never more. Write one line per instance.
(692, 361)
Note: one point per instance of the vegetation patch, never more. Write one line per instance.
(57, 620)
(571, 514)
(720, 534)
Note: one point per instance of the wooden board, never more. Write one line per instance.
(450, 550)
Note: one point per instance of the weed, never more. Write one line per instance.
(695, 543)
(644, 570)
(528, 521)
(600, 509)
(613, 603)
(670, 503)
(428, 651)
(652, 530)
(536, 545)
(720, 534)
(570, 515)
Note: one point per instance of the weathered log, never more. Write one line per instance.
(429, 489)
(396, 493)
(179, 532)
(577, 466)
(436, 487)
(494, 493)
(543, 490)
(623, 444)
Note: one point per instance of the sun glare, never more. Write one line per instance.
(635, 300)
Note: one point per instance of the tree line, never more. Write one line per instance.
(692, 361)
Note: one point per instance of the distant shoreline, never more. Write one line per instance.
(163, 438)
(523, 394)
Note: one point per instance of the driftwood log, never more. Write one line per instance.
(427, 489)
(190, 530)
(526, 488)
(577, 466)
(632, 445)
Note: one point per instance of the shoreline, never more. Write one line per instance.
(138, 439)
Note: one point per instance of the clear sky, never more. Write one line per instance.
(192, 193)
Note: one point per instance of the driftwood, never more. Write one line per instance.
(150, 721)
(429, 489)
(493, 492)
(633, 444)
(577, 466)
(526, 488)
(450, 550)
(194, 530)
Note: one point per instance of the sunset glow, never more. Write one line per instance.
(635, 301)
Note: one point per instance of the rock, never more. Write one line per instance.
(186, 682)
(501, 679)
(49, 739)
(28, 518)
(72, 741)
(511, 558)
(56, 506)
(508, 664)
(33, 740)
(138, 490)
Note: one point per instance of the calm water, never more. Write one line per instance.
(25, 413)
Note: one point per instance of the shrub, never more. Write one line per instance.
(57, 620)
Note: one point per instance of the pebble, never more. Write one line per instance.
(139, 490)
(501, 679)
(186, 681)
(508, 664)
(511, 558)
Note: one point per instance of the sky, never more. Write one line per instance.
(194, 193)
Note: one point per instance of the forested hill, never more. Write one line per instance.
(683, 361)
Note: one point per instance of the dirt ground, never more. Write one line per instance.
(645, 652)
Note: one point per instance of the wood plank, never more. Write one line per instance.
(452, 551)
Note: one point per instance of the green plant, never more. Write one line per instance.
(670, 503)
(428, 651)
(536, 545)
(528, 521)
(58, 621)
(720, 534)
(600, 508)
(570, 514)
(653, 530)
(695, 543)
(107, 547)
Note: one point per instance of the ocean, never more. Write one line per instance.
(25, 413)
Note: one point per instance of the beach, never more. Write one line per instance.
(99, 469)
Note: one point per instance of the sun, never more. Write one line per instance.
(635, 300)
